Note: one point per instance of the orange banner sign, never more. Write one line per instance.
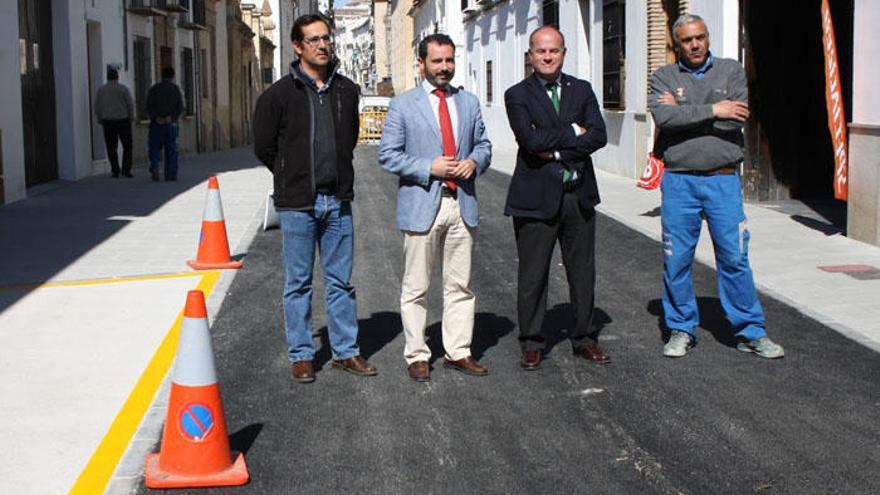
(834, 102)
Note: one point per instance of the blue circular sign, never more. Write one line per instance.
(196, 421)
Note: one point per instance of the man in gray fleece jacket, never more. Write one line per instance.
(699, 105)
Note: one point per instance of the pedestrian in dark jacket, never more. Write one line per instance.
(305, 131)
(114, 110)
(164, 106)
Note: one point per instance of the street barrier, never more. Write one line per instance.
(371, 124)
(213, 245)
(195, 444)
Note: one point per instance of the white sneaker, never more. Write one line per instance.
(763, 347)
(678, 345)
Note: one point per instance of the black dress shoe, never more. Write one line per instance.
(127, 175)
(154, 174)
(531, 360)
(115, 175)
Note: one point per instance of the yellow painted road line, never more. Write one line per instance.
(98, 281)
(94, 477)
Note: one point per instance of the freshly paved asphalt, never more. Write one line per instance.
(715, 421)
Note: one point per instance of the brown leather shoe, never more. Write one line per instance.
(302, 371)
(592, 352)
(420, 371)
(357, 365)
(466, 365)
(531, 360)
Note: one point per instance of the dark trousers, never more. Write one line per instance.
(115, 131)
(163, 136)
(575, 229)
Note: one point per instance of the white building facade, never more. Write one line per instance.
(440, 16)
(617, 44)
(57, 55)
(497, 34)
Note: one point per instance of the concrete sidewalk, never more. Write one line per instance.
(93, 278)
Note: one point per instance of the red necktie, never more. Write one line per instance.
(446, 133)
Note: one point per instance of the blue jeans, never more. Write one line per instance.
(163, 136)
(719, 198)
(329, 226)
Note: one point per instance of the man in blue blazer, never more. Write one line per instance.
(556, 121)
(435, 141)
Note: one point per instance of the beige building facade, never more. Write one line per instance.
(403, 62)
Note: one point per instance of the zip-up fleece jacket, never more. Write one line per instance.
(284, 138)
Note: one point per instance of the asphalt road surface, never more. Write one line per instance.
(715, 421)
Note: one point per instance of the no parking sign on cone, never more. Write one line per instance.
(195, 444)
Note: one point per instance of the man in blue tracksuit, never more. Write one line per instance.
(699, 105)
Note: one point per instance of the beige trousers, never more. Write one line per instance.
(456, 240)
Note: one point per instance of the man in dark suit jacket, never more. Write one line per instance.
(556, 121)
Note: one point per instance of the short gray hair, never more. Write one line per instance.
(682, 20)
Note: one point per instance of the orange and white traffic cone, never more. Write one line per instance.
(213, 244)
(195, 445)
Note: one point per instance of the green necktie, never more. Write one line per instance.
(554, 98)
(554, 95)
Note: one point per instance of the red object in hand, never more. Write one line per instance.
(653, 173)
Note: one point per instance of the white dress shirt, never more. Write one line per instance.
(435, 106)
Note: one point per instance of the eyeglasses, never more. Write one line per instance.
(314, 40)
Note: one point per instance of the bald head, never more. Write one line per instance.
(546, 31)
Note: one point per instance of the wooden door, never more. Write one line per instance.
(37, 91)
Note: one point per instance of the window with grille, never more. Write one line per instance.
(166, 58)
(489, 81)
(550, 13)
(186, 79)
(613, 54)
(142, 75)
(198, 13)
(203, 72)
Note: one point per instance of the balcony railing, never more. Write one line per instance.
(173, 5)
(145, 7)
(196, 19)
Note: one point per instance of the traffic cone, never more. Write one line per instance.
(195, 445)
(213, 245)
